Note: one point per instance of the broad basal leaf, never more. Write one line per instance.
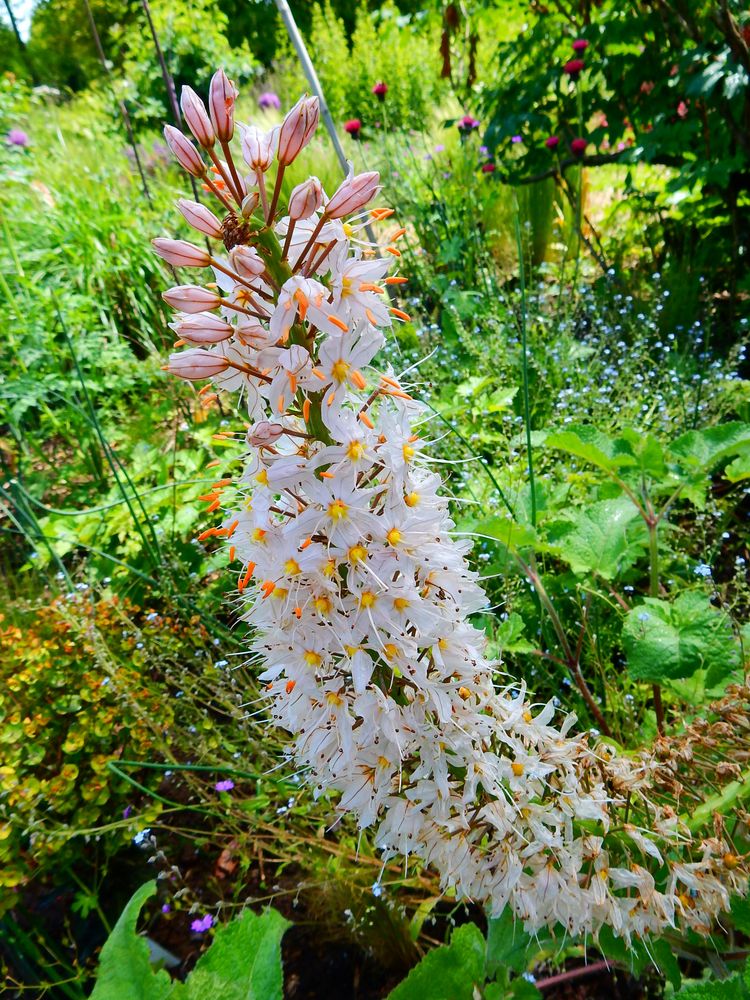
(673, 640)
(603, 538)
(125, 972)
(448, 973)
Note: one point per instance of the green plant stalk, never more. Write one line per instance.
(652, 522)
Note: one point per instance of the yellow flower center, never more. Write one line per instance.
(390, 650)
(262, 477)
(340, 370)
(367, 599)
(348, 229)
(312, 659)
(337, 510)
(411, 499)
(291, 567)
(355, 451)
(516, 768)
(357, 554)
(322, 605)
(394, 536)
(258, 535)
(330, 568)
(400, 604)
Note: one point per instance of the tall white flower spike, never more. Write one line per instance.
(359, 597)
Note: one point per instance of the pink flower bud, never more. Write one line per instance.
(184, 151)
(264, 433)
(191, 298)
(194, 112)
(259, 148)
(353, 194)
(200, 218)
(221, 97)
(249, 204)
(247, 262)
(180, 253)
(297, 129)
(203, 329)
(305, 199)
(196, 364)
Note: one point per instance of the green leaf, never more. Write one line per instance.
(704, 449)
(125, 972)
(717, 989)
(509, 636)
(664, 641)
(448, 973)
(739, 468)
(666, 961)
(509, 534)
(243, 963)
(741, 913)
(600, 538)
(507, 944)
(586, 442)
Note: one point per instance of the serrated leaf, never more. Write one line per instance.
(508, 534)
(664, 640)
(601, 538)
(704, 449)
(740, 911)
(447, 973)
(125, 972)
(739, 468)
(243, 962)
(716, 989)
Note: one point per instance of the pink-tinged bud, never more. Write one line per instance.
(297, 129)
(264, 433)
(196, 364)
(247, 262)
(200, 218)
(221, 97)
(184, 151)
(196, 116)
(180, 253)
(259, 148)
(249, 204)
(353, 194)
(305, 199)
(191, 298)
(203, 329)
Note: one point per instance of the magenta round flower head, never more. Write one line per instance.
(353, 193)
(488, 168)
(380, 90)
(17, 137)
(297, 129)
(578, 146)
(552, 142)
(573, 68)
(221, 97)
(269, 100)
(195, 114)
(467, 124)
(580, 45)
(184, 151)
(353, 127)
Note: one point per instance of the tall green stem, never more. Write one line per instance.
(525, 366)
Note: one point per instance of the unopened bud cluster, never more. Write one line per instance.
(358, 594)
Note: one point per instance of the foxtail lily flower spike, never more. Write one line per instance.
(359, 597)
(195, 114)
(184, 151)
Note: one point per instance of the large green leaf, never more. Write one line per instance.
(704, 449)
(125, 972)
(586, 442)
(447, 973)
(603, 538)
(733, 988)
(243, 963)
(670, 641)
(507, 944)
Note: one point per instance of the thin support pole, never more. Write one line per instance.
(312, 78)
(168, 83)
(123, 109)
(21, 44)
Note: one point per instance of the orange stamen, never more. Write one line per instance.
(358, 379)
(396, 279)
(214, 506)
(231, 528)
(306, 410)
(268, 588)
(366, 421)
(367, 286)
(221, 482)
(307, 541)
(290, 685)
(400, 314)
(232, 553)
(339, 323)
(394, 251)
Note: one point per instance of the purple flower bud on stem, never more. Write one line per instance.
(191, 298)
(196, 116)
(180, 253)
(203, 328)
(221, 97)
(200, 218)
(196, 364)
(354, 193)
